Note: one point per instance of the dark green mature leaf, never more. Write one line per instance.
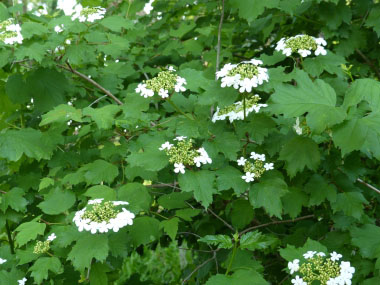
(293, 202)
(40, 269)
(250, 10)
(363, 89)
(300, 152)
(34, 51)
(101, 191)
(256, 241)
(320, 190)
(268, 192)
(14, 199)
(29, 29)
(98, 274)
(291, 252)
(183, 29)
(351, 203)
(240, 277)
(31, 142)
(99, 171)
(373, 20)
(60, 114)
(116, 23)
(330, 63)
(136, 195)
(241, 213)
(103, 117)
(16, 89)
(87, 248)
(201, 183)
(174, 200)
(308, 97)
(230, 178)
(29, 231)
(144, 230)
(170, 227)
(366, 239)
(57, 201)
(222, 241)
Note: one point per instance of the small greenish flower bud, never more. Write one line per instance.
(101, 212)
(41, 247)
(245, 70)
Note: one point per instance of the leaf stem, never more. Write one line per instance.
(244, 107)
(10, 240)
(178, 109)
(232, 257)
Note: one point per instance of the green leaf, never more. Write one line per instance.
(31, 142)
(29, 231)
(187, 214)
(373, 20)
(260, 126)
(240, 277)
(99, 171)
(29, 29)
(101, 191)
(250, 10)
(256, 241)
(175, 200)
(268, 192)
(226, 143)
(87, 248)
(57, 201)
(183, 29)
(14, 199)
(32, 51)
(45, 183)
(293, 202)
(330, 63)
(300, 152)
(40, 269)
(116, 23)
(144, 230)
(320, 190)
(351, 203)
(308, 97)
(222, 241)
(291, 252)
(103, 117)
(201, 183)
(366, 238)
(136, 195)
(170, 227)
(98, 274)
(241, 213)
(363, 89)
(17, 89)
(230, 178)
(61, 114)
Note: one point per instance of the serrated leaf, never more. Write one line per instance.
(175, 200)
(136, 195)
(201, 183)
(101, 191)
(170, 227)
(222, 241)
(300, 152)
(29, 29)
(14, 199)
(98, 274)
(115, 23)
(60, 114)
(320, 190)
(103, 117)
(250, 10)
(255, 240)
(45, 183)
(40, 269)
(351, 203)
(366, 239)
(241, 213)
(363, 89)
(308, 97)
(187, 214)
(330, 63)
(99, 171)
(230, 178)
(29, 231)
(87, 248)
(16, 89)
(291, 252)
(293, 202)
(268, 192)
(183, 29)
(144, 230)
(240, 277)
(373, 20)
(57, 201)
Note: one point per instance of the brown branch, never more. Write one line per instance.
(163, 185)
(368, 185)
(199, 267)
(275, 223)
(373, 67)
(223, 221)
(105, 91)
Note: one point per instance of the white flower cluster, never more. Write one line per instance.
(256, 169)
(165, 82)
(319, 262)
(22, 281)
(303, 45)
(2, 261)
(186, 154)
(10, 33)
(122, 219)
(297, 127)
(236, 110)
(52, 237)
(77, 11)
(242, 78)
(148, 7)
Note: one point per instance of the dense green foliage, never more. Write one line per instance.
(207, 226)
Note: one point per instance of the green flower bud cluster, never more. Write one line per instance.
(246, 70)
(87, 11)
(6, 23)
(303, 42)
(164, 80)
(41, 247)
(183, 152)
(257, 168)
(250, 102)
(101, 212)
(319, 269)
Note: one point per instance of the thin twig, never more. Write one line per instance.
(219, 39)
(97, 100)
(220, 219)
(368, 185)
(276, 223)
(163, 185)
(105, 91)
(197, 268)
(373, 67)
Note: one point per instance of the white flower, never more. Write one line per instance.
(335, 256)
(246, 85)
(118, 203)
(224, 71)
(257, 156)
(2, 260)
(309, 254)
(166, 145)
(140, 88)
(22, 281)
(248, 177)
(95, 201)
(52, 237)
(322, 254)
(241, 161)
(298, 281)
(297, 127)
(320, 50)
(148, 7)
(180, 138)
(203, 158)
(147, 93)
(17, 38)
(58, 29)
(163, 93)
(179, 167)
(294, 266)
(67, 6)
(171, 68)
(321, 41)
(268, 166)
(304, 52)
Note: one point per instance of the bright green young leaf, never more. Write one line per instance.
(14, 199)
(222, 241)
(183, 29)
(104, 117)
(136, 195)
(99, 171)
(291, 252)
(116, 23)
(40, 269)
(45, 183)
(101, 191)
(29, 231)
(60, 114)
(256, 241)
(250, 10)
(57, 201)
(170, 227)
(144, 230)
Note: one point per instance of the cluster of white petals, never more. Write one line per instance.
(237, 111)
(297, 128)
(254, 170)
(285, 48)
(22, 281)
(345, 274)
(203, 158)
(52, 237)
(88, 14)
(10, 33)
(2, 260)
(240, 81)
(146, 92)
(148, 7)
(122, 219)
